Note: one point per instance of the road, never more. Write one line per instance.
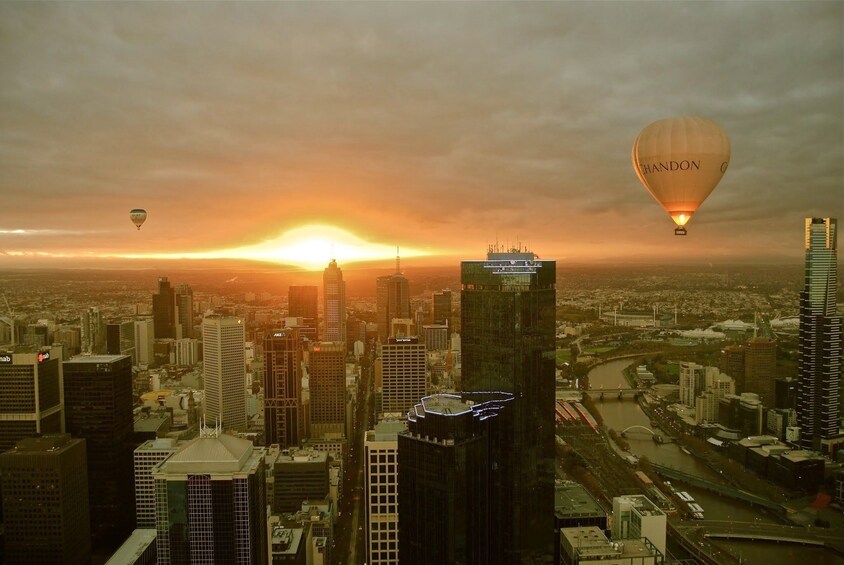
(350, 528)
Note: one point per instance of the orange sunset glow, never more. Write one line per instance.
(489, 123)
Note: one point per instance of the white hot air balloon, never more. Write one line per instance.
(138, 217)
(680, 161)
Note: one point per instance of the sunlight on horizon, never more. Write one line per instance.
(310, 247)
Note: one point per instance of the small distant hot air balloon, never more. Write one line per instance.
(138, 217)
(680, 161)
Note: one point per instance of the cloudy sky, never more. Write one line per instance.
(439, 127)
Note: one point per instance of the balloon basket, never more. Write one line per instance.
(680, 231)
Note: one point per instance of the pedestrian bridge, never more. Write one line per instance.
(637, 428)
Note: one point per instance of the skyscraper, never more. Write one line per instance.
(211, 503)
(819, 347)
(93, 330)
(403, 377)
(224, 368)
(283, 422)
(441, 306)
(144, 341)
(455, 482)
(147, 456)
(392, 300)
(380, 447)
(334, 303)
(164, 310)
(98, 408)
(302, 303)
(184, 309)
(327, 382)
(46, 519)
(31, 397)
(507, 336)
(760, 365)
(120, 339)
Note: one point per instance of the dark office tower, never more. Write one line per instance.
(283, 423)
(98, 408)
(30, 396)
(164, 310)
(454, 475)
(46, 505)
(302, 303)
(392, 301)
(760, 365)
(299, 475)
(441, 306)
(327, 382)
(211, 503)
(507, 344)
(184, 309)
(819, 347)
(120, 339)
(732, 364)
(334, 303)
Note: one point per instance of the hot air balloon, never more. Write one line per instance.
(138, 217)
(680, 161)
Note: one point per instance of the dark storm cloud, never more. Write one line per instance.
(475, 118)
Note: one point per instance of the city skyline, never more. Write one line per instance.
(485, 122)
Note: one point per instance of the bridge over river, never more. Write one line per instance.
(832, 539)
(723, 490)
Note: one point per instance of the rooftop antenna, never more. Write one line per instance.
(333, 258)
(398, 261)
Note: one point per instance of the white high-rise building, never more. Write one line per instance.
(224, 370)
(718, 386)
(403, 377)
(382, 528)
(691, 382)
(186, 351)
(144, 340)
(635, 516)
(147, 456)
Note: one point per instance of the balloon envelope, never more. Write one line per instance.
(138, 217)
(680, 161)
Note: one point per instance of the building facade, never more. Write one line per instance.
(403, 374)
(224, 370)
(327, 382)
(302, 303)
(334, 303)
(46, 504)
(211, 503)
(508, 316)
(164, 310)
(819, 346)
(147, 456)
(31, 396)
(441, 308)
(392, 300)
(380, 456)
(98, 408)
(283, 414)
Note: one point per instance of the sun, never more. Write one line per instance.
(310, 247)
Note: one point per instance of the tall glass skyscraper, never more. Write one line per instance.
(819, 351)
(334, 302)
(508, 310)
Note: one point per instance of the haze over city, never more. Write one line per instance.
(439, 128)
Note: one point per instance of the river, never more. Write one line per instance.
(622, 414)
